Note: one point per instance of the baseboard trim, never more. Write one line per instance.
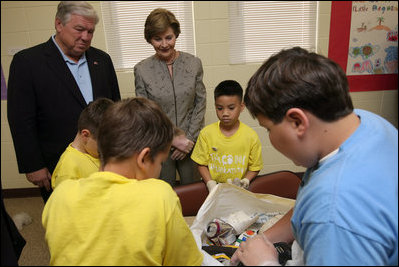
(21, 192)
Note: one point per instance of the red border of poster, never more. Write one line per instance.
(341, 13)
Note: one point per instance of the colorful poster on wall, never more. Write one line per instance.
(373, 42)
(364, 42)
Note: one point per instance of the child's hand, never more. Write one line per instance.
(256, 251)
(237, 182)
(244, 183)
(211, 185)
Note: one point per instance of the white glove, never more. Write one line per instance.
(211, 185)
(244, 183)
(237, 182)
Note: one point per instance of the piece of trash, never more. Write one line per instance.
(21, 219)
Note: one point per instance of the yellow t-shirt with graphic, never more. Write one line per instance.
(228, 157)
(74, 164)
(107, 219)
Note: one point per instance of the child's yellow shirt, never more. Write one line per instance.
(228, 157)
(74, 164)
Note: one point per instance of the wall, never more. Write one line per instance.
(27, 23)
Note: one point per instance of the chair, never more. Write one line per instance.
(280, 183)
(191, 197)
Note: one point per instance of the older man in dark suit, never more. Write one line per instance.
(48, 87)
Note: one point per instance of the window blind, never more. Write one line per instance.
(259, 29)
(124, 29)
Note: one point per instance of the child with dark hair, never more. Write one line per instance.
(228, 150)
(80, 159)
(123, 214)
(346, 210)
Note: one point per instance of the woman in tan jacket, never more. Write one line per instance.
(173, 79)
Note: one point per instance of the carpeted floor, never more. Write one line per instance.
(35, 252)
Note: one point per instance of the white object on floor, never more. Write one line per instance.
(21, 219)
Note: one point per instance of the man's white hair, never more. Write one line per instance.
(66, 8)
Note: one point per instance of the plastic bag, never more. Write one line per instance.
(226, 199)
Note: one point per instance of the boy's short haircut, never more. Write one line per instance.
(91, 116)
(296, 78)
(230, 88)
(129, 126)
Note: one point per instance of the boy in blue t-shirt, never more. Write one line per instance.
(346, 211)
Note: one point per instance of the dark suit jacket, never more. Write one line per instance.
(44, 102)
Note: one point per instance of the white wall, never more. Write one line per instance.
(26, 23)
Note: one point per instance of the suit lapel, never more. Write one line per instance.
(56, 63)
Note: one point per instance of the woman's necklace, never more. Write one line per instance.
(174, 58)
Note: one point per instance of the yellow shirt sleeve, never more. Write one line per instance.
(181, 248)
(74, 164)
(200, 153)
(255, 162)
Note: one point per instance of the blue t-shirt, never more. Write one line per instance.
(346, 212)
(80, 72)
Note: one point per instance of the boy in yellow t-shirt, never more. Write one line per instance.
(228, 150)
(80, 159)
(122, 215)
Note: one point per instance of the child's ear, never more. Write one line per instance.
(298, 120)
(85, 133)
(242, 106)
(143, 157)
